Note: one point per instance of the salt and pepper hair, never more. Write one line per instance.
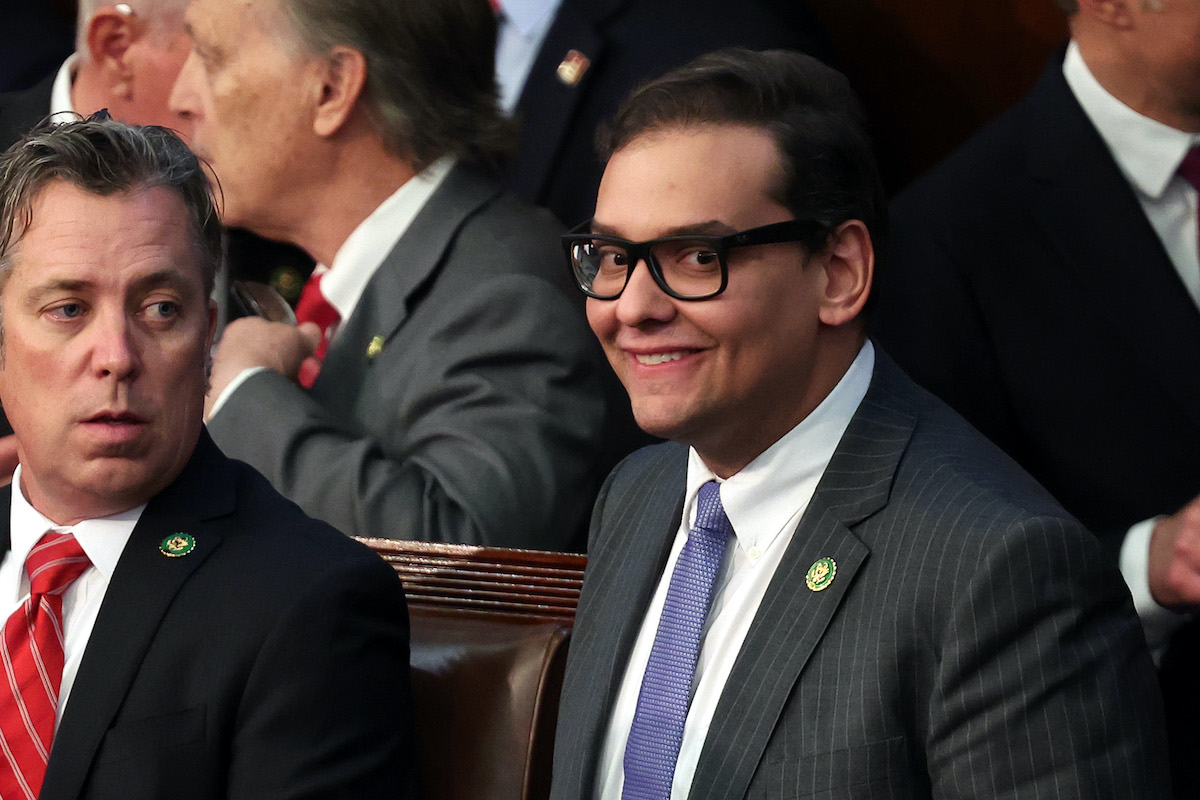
(829, 172)
(430, 86)
(104, 157)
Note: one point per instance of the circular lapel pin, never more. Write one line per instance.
(820, 574)
(177, 544)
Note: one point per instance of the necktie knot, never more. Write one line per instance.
(711, 520)
(1189, 168)
(313, 306)
(54, 562)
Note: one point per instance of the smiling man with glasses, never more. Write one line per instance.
(826, 584)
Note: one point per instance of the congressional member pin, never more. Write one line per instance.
(177, 544)
(570, 70)
(375, 347)
(820, 574)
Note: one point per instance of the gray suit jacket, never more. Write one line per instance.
(462, 401)
(974, 643)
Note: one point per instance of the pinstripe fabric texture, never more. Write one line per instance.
(975, 643)
(32, 656)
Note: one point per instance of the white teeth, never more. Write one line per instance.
(658, 358)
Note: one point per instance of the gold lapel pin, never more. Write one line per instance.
(375, 347)
(177, 544)
(573, 65)
(820, 574)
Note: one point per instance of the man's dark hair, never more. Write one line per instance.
(829, 170)
(431, 86)
(104, 157)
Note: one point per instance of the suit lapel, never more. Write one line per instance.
(792, 619)
(548, 102)
(1084, 205)
(141, 590)
(395, 287)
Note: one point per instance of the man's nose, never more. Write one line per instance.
(183, 100)
(114, 347)
(643, 300)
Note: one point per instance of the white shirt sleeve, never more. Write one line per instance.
(238, 380)
(1158, 623)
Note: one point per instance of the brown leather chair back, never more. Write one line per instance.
(490, 629)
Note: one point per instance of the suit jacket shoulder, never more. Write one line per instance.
(462, 401)
(1025, 286)
(970, 617)
(273, 653)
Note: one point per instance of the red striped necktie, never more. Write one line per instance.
(32, 656)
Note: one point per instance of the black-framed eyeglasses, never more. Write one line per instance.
(691, 267)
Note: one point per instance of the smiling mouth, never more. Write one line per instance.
(651, 359)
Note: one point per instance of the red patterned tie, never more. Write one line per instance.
(32, 655)
(1189, 170)
(313, 307)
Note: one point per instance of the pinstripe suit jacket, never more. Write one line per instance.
(974, 643)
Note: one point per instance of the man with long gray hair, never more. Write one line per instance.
(442, 385)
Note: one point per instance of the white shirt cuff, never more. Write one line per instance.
(238, 380)
(1158, 623)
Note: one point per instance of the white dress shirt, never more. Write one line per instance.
(764, 503)
(365, 250)
(1148, 154)
(523, 27)
(60, 93)
(102, 539)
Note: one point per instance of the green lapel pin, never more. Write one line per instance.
(177, 544)
(820, 574)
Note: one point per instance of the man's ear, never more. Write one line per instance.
(341, 86)
(109, 35)
(849, 264)
(1114, 13)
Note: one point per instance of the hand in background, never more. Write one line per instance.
(1174, 568)
(253, 342)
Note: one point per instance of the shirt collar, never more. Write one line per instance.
(528, 15)
(366, 248)
(60, 93)
(103, 539)
(1147, 151)
(761, 498)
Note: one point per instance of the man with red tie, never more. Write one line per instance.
(1045, 282)
(459, 397)
(174, 628)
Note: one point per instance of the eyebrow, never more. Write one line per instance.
(710, 228)
(168, 277)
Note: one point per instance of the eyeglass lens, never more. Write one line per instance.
(691, 268)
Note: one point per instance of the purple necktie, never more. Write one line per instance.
(662, 706)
